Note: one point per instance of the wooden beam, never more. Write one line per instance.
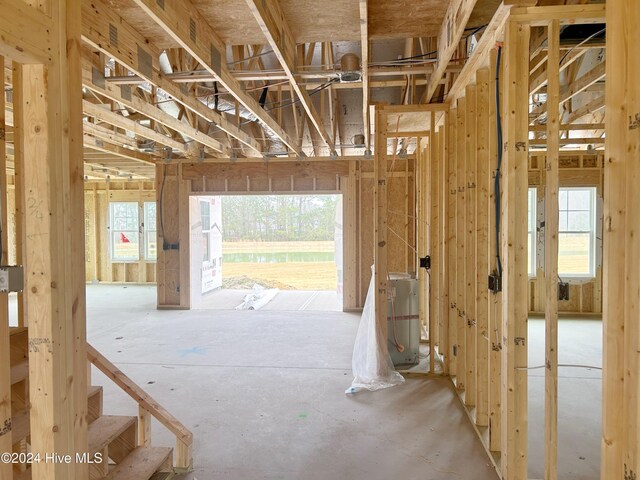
(100, 146)
(271, 19)
(185, 24)
(481, 53)
(109, 135)
(592, 107)
(470, 305)
(581, 84)
(620, 81)
(551, 225)
(138, 54)
(461, 215)
(451, 191)
(484, 133)
(565, 14)
(380, 239)
(364, 59)
(120, 121)
(134, 102)
(6, 443)
(455, 21)
(514, 251)
(26, 33)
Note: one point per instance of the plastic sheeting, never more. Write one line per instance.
(258, 298)
(371, 362)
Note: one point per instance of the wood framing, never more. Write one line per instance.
(514, 251)
(551, 215)
(276, 29)
(176, 18)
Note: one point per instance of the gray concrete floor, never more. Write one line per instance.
(264, 395)
(285, 300)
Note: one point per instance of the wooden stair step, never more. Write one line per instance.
(141, 464)
(106, 429)
(93, 390)
(19, 372)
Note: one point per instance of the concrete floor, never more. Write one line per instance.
(268, 391)
(285, 300)
(264, 394)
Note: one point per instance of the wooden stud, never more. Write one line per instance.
(380, 227)
(443, 213)
(614, 419)
(451, 193)
(470, 245)
(551, 215)
(461, 214)
(514, 252)
(6, 469)
(483, 343)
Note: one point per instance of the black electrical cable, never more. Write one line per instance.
(164, 177)
(497, 179)
(215, 92)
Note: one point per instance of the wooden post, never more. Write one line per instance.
(421, 246)
(495, 301)
(6, 470)
(470, 245)
(431, 215)
(551, 215)
(380, 225)
(48, 132)
(514, 252)
(614, 421)
(451, 193)
(350, 229)
(484, 133)
(461, 211)
(144, 427)
(443, 212)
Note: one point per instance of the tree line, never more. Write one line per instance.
(278, 217)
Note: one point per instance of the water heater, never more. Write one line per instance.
(403, 322)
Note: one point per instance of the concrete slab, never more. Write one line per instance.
(263, 393)
(285, 300)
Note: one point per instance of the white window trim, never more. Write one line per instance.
(146, 230)
(113, 259)
(534, 240)
(592, 237)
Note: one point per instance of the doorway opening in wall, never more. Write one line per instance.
(272, 252)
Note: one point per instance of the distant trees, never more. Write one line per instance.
(278, 217)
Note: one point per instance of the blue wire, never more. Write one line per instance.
(497, 178)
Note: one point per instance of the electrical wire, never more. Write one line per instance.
(582, 43)
(496, 184)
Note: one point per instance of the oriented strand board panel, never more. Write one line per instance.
(401, 19)
(309, 20)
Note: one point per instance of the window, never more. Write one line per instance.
(124, 231)
(205, 218)
(577, 231)
(532, 230)
(150, 234)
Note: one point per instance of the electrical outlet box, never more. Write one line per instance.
(495, 283)
(11, 279)
(425, 262)
(563, 291)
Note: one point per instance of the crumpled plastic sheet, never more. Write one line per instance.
(258, 298)
(371, 362)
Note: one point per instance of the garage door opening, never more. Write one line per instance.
(273, 252)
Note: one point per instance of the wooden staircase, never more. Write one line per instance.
(123, 442)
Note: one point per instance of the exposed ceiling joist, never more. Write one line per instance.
(117, 120)
(134, 102)
(97, 144)
(451, 32)
(184, 23)
(364, 59)
(103, 29)
(269, 16)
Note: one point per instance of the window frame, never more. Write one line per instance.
(147, 228)
(112, 231)
(592, 232)
(532, 229)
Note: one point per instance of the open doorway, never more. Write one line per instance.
(273, 252)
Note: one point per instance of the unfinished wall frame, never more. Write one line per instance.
(487, 331)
